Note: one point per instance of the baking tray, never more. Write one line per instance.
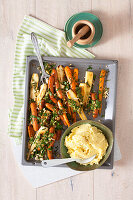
(108, 104)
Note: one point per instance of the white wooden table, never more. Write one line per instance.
(116, 43)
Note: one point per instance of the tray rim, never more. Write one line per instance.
(26, 94)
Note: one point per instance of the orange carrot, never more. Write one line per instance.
(50, 154)
(50, 106)
(95, 111)
(75, 74)
(58, 133)
(93, 96)
(68, 109)
(34, 118)
(63, 120)
(57, 85)
(49, 151)
(53, 99)
(60, 105)
(54, 73)
(74, 117)
(101, 86)
(30, 131)
(51, 84)
(70, 79)
(51, 88)
(58, 90)
(41, 104)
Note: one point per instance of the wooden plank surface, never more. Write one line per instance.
(116, 43)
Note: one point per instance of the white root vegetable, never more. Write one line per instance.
(34, 86)
(42, 130)
(42, 92)
(86, 87)
(60, 73)
(73, 96)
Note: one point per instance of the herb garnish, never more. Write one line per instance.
(90, 67)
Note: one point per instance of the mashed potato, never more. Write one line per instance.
(84, 141)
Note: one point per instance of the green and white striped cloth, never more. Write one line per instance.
(52, 43)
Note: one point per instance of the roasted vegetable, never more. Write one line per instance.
(42, 130)
(71, 95)
(75, 75)
(101, 87)
(86, 87)
(33, 107)
(70, 79)
(60, 105)
(34, 86)
(41, 104)
(42, 92)
(31, 131)
(57, 85)
(95, 109)
(60, 73)
(51, 88)
(49, 150)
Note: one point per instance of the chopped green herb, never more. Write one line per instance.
(99, 92)
(107, 80)
(74, 105)
(98, 104)
(79, 95)
(66, 85)
(94, 77)
(48, 67)
(60, 112)
(90, 67)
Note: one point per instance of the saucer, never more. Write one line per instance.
(84, 16)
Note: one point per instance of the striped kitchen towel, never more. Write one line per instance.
(52, 43)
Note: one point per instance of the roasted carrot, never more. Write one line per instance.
(53, 99)
(73, 115)
(101, 86)
(50, 154)
(95, 113)
(51, 84)
(57, 85)
(60, 105)
(70, 79)
(41, 104)
(69, 109)
(94, 98)
(58, 90)
(58, 133)
(63, 120)
(38, 148)
(49, 150)
(34, 114)
(75, 74)
(52, 108)
(31, 131)
(54, 73)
